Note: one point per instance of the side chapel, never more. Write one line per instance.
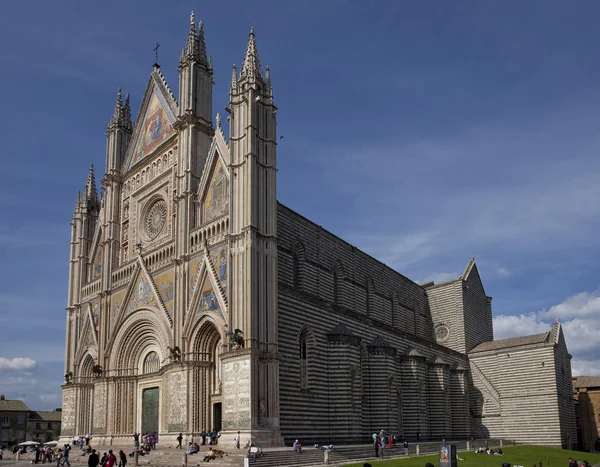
(197, 301)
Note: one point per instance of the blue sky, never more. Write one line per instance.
(425, 133)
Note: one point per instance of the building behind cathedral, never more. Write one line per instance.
(197, 301)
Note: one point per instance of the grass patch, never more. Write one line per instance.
(527, 456)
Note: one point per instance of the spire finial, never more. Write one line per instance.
(90, 186)
(251, 65)
(218, 119)
(201, 44)
(191, 48)
(127, 112)
(234, 76)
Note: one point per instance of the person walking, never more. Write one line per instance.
(179, 440)
(122, 458)
(65, 458)
(238, 438)
(405, 447)
(111, 460)
(93, 459)
(203, 435)
(376, 444)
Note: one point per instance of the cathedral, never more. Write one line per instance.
(196, 301)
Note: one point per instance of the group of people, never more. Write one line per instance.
(574, 463)
(385, 439)
(489, 451)
(80, 440)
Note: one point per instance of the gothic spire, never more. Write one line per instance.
(251, 65)
(117, 116)
(201, 44)
(268, 80)
(234, 77)
(127, 113)
(90, 185)
(191, 48)
(77, 203)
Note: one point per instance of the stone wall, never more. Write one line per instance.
(365, 369)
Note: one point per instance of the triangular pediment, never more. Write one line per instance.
(207, 293)
(154, 125)
(87, 339)
(214, 187)
(96, 256)
(93, 312)
(141, 293)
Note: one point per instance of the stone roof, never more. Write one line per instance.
(511, 342)
(46, 415)
(412, 352)
(13, 406)
(586, 381)
(341, 330)
(379, 342)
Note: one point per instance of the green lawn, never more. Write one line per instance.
(526, 456)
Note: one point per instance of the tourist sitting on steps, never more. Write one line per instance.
(210, 456)
(297, 447)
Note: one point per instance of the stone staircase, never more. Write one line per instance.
(272, 457)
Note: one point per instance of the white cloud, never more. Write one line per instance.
(440, 277)
(584, 304)
(503, 272)
(17, 364)
(580, 319)
(55, 398)
(506, 326)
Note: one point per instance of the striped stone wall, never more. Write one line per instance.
(370, 349)
(446, 303)
(517, 389)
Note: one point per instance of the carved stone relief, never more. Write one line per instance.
(177, 402)
(68, 412)
(100, 408)
(236, 394)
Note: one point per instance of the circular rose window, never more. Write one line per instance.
(156, 218)
(442, 332)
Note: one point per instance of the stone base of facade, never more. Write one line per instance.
(258, 437)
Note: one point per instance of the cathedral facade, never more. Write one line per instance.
(197, 301)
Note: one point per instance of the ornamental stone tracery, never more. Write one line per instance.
(155, 219)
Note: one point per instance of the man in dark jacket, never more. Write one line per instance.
(93, 459)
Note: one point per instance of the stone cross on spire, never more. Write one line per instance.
(251, 65)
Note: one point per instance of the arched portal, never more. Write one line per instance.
(137, 355)
(206, 346)
(85, 404)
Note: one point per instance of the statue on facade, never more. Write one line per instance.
(68, 377)
(175, 353)
(236, 339)
(97, 371)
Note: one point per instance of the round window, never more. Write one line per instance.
(442, 332)
(156, 218)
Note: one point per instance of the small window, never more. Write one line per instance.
(20, 435)
(21, 419)
(38, 425)
(5, 418)
(49, 425)
(4, 435)
(303, 363)
(151, 363)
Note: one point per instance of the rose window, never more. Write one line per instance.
(442, 332)
(156, 218)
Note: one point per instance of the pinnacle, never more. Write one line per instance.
(191, 48)
(201, 44)
(127, 113)
(251, 65)
(90, 186)
(234, 76)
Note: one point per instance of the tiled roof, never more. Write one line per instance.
(13, 406)
(511, 342)
(586, 381)
(46, 415)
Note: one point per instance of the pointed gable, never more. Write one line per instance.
(215, 202)
(142, 295)
(155, 121)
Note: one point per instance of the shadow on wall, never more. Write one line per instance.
(478, 430)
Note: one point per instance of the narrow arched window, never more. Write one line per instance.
(296, 272)
(303, 362)
(336, 288)
(151, 363)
